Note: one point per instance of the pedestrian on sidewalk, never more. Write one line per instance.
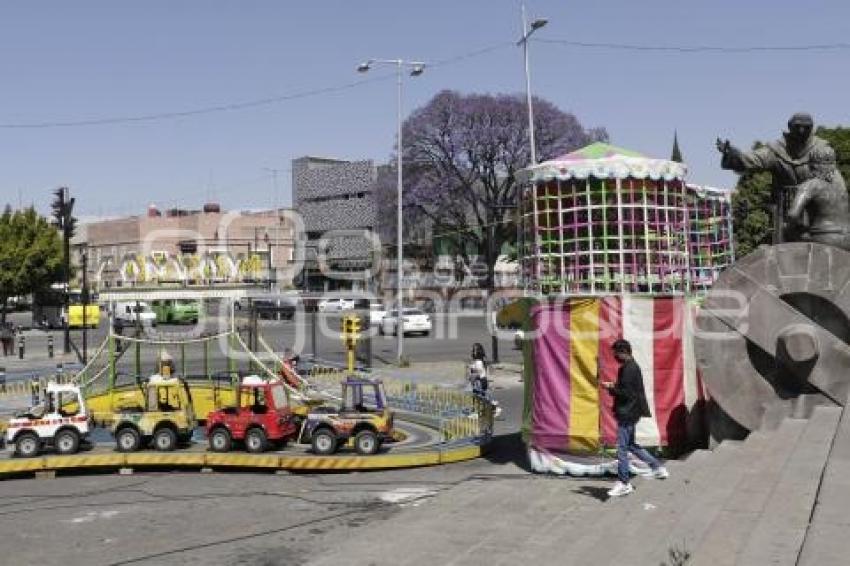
(7, 338)
(629, 406)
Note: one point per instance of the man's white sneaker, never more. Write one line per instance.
(660, 473)
(620, 489)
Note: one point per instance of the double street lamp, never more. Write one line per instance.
(416, 68)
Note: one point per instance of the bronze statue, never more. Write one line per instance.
(819, 212)
(787, 159)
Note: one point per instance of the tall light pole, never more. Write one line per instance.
(416, 69)
(527, 30)
(85, 300)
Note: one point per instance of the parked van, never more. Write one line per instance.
(128, 313)
(176, 311)
(75, 316)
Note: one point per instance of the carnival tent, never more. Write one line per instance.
(604, 219)
(568, 354)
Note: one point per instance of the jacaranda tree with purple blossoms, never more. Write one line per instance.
(461, 157)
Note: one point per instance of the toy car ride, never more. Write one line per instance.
(165, 419)
(363, 416)
(261, 416)
(60, 420)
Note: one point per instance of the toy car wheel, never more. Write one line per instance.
(324, 442)
(67, 441)
(127, 439)
(220, 440)
(256, 441)
(27, 445)
(165, 440)
(366, 442)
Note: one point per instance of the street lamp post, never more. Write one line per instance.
(416, 69)
(84, 295)
(493, 259)
(271, 280)
(527, 30)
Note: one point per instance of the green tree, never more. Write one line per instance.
(752, 220)
(839, 138)
(752, 195)
(30, 254)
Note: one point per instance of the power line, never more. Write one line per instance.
(444, 62)
(199, 111)
(697, 48)
(246, 104)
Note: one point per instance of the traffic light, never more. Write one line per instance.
(350, 324)
(350, 330)
(350, 335)
(63, 206)
(58, 207)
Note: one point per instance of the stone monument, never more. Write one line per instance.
(773, 335)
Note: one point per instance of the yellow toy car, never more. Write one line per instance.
(166, 419)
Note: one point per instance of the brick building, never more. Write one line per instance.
(265, 236)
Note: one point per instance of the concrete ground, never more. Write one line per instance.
(776, 498)
(239, 518)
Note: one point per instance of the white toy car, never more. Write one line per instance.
(60, 420)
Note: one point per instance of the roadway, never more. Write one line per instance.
(451, 340)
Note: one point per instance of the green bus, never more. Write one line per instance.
(176, 311)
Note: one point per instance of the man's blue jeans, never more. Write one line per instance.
(625, 444)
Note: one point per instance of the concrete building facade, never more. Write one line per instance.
(336, 200)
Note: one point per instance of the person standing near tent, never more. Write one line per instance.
(629, 406)
(477, 371)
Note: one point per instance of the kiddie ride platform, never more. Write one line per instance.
(393, 424)
(419, 443)
(429, 425)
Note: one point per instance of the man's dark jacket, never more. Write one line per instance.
(629, 397)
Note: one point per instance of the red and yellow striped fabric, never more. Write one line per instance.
(570, 354)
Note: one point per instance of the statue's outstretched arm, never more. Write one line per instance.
(759, 159)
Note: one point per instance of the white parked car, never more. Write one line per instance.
(335, 305)
(412, 320)
(127, 313)
(377, 312)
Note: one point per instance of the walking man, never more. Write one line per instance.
(629, 406)
(7, 338)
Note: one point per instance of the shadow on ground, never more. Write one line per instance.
(508, 449)
(596, 492)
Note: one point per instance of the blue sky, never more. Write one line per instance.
(70, 61)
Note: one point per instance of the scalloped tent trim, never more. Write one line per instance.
(604, 161)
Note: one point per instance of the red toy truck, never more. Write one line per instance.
(261, 417)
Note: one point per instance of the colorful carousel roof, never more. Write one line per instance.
(605, 161)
